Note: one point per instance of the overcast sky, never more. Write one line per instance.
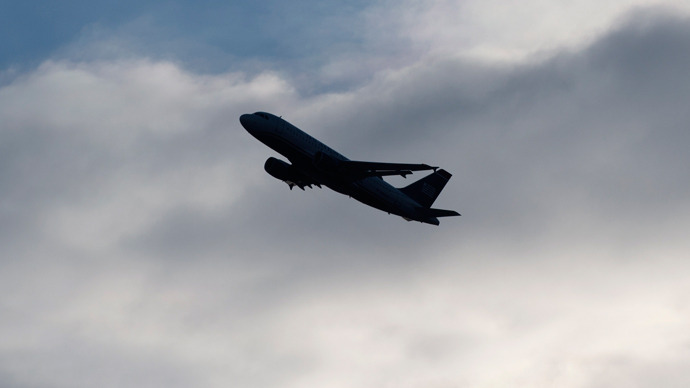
(143, 245)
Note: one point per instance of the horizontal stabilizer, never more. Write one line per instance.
(440, 213)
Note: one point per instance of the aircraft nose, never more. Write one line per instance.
(245, 119)
(248, 121)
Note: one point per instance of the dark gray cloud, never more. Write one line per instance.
(143, 245)
(605, 126)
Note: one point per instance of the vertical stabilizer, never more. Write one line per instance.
(426, 190)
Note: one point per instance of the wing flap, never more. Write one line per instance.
(378, 166)
(383, 169)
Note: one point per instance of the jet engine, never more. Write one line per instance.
(285, 172)
(279, 169)
(325, 162)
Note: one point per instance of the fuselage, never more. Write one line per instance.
(301, 150)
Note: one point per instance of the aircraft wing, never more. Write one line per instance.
(383, 169)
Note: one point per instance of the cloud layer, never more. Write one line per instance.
(143, 245)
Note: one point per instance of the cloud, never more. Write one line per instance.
(143, 245)
(498, 30)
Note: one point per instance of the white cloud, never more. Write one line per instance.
(110, 142)
(499, 30)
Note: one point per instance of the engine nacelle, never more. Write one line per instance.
(287, 173)
(280, 170)
(324, 162)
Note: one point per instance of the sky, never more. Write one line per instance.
(143, 245)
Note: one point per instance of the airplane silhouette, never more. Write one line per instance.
(314, 163)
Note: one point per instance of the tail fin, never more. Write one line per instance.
(426, 190)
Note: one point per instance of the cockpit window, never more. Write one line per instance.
(262, 115)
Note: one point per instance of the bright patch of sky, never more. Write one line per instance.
(209, 34)
(507, 30)
(321, 43)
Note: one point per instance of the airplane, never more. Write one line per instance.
(316, 164)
